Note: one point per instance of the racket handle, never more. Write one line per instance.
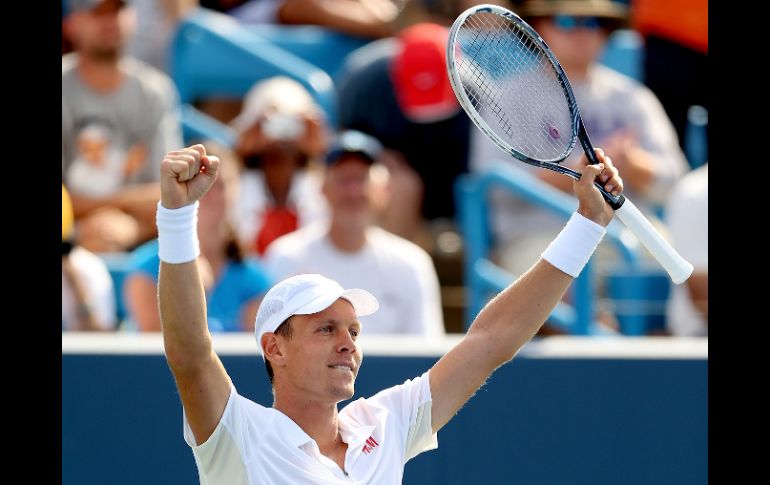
(676, 266)
(615, 201)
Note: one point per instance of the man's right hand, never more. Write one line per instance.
(186, 175)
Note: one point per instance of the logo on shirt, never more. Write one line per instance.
(370, 445)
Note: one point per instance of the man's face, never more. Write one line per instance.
(348, 187)
(102, 31)
(279, 160)
(321, 357)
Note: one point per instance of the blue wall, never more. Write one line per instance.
(537, 421)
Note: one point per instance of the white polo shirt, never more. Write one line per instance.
(253, 444)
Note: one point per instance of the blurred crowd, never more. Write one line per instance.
(367, 197)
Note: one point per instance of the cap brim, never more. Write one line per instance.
(364, 303)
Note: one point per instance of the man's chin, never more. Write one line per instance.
(345, 393)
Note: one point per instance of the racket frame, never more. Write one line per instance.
(578, 129)
(677, 267)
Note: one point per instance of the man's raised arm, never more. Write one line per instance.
(203, 383)
(508, 321)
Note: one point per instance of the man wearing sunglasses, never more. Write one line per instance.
(621, 115)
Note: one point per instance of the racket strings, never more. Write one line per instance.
(513, 87)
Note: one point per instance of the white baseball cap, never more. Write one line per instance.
(276, 95)
(305, 294)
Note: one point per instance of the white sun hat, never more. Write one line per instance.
(305, 294)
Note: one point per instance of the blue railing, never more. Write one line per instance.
(624, 52)
(197, 125)
(484, 278)
(213, 55)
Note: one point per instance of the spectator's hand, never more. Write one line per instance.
(592, 204)
(619, 144)
(107, 230)
(136, 156)
(186, 175)
(630, 158)
(315, 139)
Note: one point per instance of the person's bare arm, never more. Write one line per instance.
(364, 18)
(555, 179)
(508, 321)
(203, 383)
(637, 164)
(174, 10)
(136, 199)
(698, 287)
(141, 295)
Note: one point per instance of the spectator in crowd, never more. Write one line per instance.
(687, 216)
(397, 90)
(620, 115)
(234, 284)
(87, 297)
(119, 118)
(354, 252)
(281, 132)
(156, 24)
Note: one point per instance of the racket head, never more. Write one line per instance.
(512, 86)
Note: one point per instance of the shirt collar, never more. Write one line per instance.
(351, 433)
(291, 432)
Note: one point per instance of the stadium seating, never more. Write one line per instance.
(624, 52)
(213, 55)
(484, 278)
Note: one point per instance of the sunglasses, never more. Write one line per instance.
(572, 22)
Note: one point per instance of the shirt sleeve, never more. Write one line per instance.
(220, 459)
(410, 404)
(99, 285)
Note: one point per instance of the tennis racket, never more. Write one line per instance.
(514, 89)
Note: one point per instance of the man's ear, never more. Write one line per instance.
(272, 350)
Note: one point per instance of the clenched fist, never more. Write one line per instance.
(186, 175)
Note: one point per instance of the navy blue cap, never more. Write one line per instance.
(352, 141)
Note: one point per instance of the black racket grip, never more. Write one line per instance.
(615, 201)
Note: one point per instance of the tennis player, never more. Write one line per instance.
(307, 327)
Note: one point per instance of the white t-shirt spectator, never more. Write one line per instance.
(97, 284)
(609, 103)
(397, 272)
(305, 199)
(687, 218)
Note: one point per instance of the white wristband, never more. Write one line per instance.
(574, 245)
(178, 234)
